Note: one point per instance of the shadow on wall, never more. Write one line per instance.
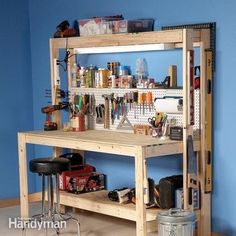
(224, 228)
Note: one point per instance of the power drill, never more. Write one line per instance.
(48, 110)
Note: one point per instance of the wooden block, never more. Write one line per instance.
(142, 129)
(172, 72)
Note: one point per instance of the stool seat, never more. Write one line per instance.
(49, 166)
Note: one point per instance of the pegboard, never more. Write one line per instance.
(142, 115)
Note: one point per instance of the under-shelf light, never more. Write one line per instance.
(127, 48)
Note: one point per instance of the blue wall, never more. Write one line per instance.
(24, 79)
(16, 91)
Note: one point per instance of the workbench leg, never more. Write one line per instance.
(141, 225)
(24, 200)
(205, 217)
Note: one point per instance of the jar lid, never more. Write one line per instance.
(176, 215)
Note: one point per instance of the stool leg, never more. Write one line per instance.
(43, 202)
(43, 195)
(57, 194)
(45, 231)
(50, 196)
(23, 232)
(57, 208)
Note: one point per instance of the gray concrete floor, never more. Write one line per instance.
(92, 224)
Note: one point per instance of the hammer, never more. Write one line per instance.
(107, 98)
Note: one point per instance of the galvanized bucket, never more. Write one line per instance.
(176, 222)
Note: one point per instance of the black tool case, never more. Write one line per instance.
(167, 187)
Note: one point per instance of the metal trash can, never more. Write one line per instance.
(176, 222)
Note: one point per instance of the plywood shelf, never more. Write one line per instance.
(126, 39)
(100, 203)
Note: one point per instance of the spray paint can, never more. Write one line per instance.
(113, 81)
(113, 67)
(97, 79)
(91, 76)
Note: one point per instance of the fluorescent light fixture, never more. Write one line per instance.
(130, 48)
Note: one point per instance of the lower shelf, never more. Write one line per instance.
(99, 202)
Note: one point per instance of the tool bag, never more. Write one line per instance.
(167, 187)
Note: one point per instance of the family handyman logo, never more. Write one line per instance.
(29, 223)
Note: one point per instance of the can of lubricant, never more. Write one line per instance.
(103, 75)
(113, 67)
(113, 81)
(97, 79)
(123, 70)
(91, 77)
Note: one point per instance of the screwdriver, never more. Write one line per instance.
(135, 101)
(131, 98)
(144, 99)
(149, 100)
(140, 101)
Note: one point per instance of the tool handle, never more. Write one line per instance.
(149, 98)
(140, 98)
(144, 97)
(135, 96)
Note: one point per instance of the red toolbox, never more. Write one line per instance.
(84, 183)
(76, 170)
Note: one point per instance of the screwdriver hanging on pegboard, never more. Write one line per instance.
(149, 100)
(135, 102)
(140, 102)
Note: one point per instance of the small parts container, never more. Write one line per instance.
(176, 222)
(112, 25)
(133, 26)
(97, 25)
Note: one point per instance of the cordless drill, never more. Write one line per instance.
(48, 110)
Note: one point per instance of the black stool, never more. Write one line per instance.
(49, 167)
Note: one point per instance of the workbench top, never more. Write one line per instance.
(104, 141)
(101, 136)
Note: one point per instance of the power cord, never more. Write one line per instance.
(66, 58)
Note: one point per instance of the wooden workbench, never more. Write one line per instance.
(139, 147)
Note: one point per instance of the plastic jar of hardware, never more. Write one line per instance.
(176, 222)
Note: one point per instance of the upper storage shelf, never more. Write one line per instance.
(160, 40)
